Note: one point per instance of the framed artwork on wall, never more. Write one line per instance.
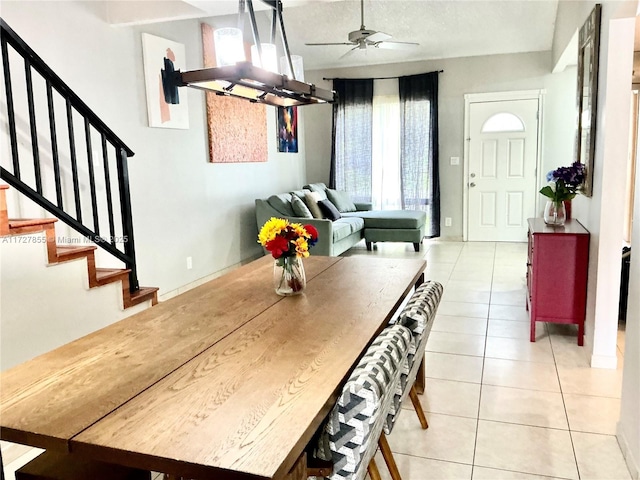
(162, 57)
(287, 127)
(237, 130)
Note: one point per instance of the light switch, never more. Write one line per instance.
(455, 160)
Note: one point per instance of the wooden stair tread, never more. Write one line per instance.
(64, 253)
(30, 222)
(68, 249)
(144, 293)
(110, 275)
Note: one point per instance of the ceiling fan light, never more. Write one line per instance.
(229, 46)
(298, 67)
(268, 60)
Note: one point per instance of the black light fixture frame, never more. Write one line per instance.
(233, 80)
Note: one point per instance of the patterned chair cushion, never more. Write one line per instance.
(350, 436)
(417, 316)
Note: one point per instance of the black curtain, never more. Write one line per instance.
(420, 184)
(352, 138)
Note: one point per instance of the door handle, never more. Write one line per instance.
(471, 185)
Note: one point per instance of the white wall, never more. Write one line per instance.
(183, 206)
(629, 425)
(495, 73)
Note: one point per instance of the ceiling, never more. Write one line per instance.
(443, 28)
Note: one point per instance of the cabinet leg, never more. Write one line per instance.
(533, 330)
(581, 334)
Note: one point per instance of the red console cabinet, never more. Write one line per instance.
(557, 266)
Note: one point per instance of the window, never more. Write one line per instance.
(385, 162)
(503, 122)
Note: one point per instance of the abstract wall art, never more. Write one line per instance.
(162, 57)
(287, 125)
(237, 129)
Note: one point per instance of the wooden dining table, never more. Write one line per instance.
(225, 381)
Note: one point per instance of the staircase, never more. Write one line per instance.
(63, 253)
(66, 160)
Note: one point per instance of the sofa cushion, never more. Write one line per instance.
(329, 210)
(282, 203)
(397, 219)
(341, 229)
(341, 200)
(299, 207)
(300, 193)
(311, 199)
(356, 223)
(321, 188)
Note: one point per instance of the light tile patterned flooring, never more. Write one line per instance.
(499, 407)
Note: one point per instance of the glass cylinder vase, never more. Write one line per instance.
(554, 213)
(288, 276)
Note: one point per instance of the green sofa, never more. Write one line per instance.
(357, 221)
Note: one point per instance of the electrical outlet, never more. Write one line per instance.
(189, 263)
(447, 222)
(455, 160)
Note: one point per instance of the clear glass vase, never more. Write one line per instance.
(554, 213)
(288, 276)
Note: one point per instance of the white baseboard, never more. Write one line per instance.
(632, 463)
(604, 361)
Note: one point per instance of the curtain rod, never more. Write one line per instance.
(380, 78)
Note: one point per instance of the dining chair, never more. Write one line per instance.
(417, 315)
(353, 432)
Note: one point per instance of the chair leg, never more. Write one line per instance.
(372, 468)
(413, 395)
(420, 382)
(388, 457)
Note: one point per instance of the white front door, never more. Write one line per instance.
(503, 150)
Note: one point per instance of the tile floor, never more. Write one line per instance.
(499, 407)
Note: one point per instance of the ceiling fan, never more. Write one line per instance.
(362, 39)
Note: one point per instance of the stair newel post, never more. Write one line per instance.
(127, 220)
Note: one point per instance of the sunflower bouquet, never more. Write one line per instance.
(284, 239)
(288, 243)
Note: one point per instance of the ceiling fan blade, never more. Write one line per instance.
(349, 52)
(377, 37)
(397, 45)
(323, 44)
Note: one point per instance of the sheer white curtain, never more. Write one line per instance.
(385, 181)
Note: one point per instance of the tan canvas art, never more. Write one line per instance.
(237, 129)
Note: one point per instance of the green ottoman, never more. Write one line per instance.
(393, 226)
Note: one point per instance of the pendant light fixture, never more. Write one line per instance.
(256, 81)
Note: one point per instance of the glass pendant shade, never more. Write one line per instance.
(269, 60)
(229, 46)
(298, 67)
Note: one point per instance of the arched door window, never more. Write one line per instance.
(503, 122)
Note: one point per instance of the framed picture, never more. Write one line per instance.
(237, 129)
(287, 126)
(162, 57)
